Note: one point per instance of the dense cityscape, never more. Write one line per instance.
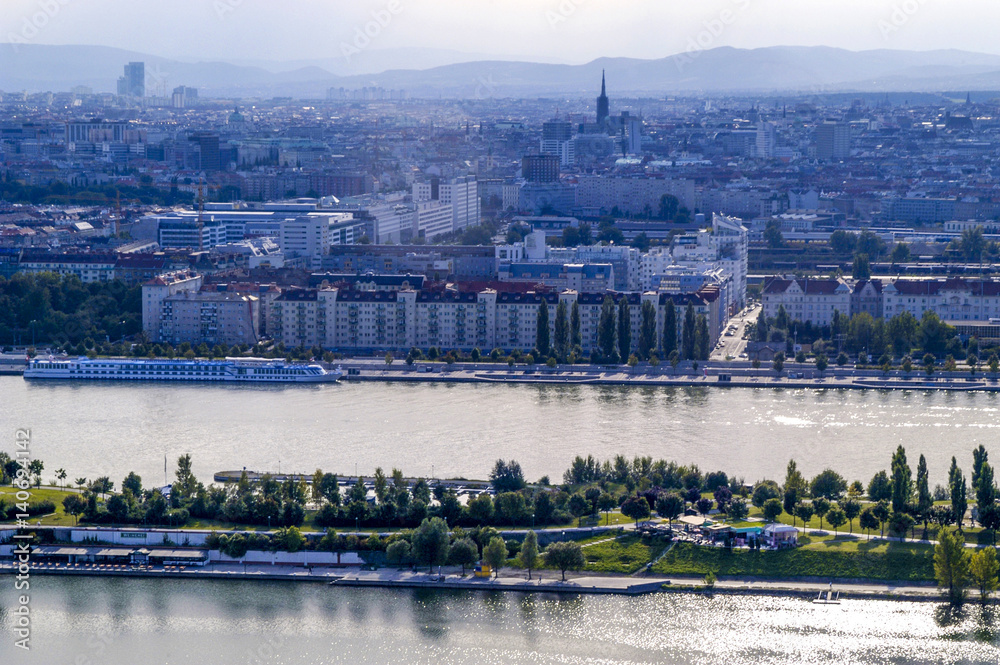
(493, 351)
(490, 208)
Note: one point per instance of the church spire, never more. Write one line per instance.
(603, 107)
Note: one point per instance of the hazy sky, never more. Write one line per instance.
(562, 30)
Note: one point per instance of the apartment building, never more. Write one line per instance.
(806, 299)
(156, 291)
(953, 300)
(459, 195)
(367, 321)
(631, 195)
(209, 317)
(88, 267)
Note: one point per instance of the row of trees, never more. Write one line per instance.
(643, 472)
(614, 333)
(862, 334)
(62, 193)
(273, 503)
(431, 544)
(955, 567)
(560, 341)
(9, 467)
(898, 499)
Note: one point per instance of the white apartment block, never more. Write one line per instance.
(223, 223)
(455, 320)
(511, 195)
(724, 248)
(368, 319)
(432, 218)
(631, 195)
(398, 320)
(90, 268)
(305, 236)
(766, 140)
(393, 223)
(312, 235)
(156, 291)
(812, 300)
(564, 150)
(953, 300)
(626, 261)
(461, 193)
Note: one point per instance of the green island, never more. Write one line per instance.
(621, 517)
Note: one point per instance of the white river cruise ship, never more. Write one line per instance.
(260, 370)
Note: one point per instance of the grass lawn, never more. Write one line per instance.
(624, 555)
(613, 518)
(8, 495)
(820, 556)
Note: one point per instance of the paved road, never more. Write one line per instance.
(733, 345)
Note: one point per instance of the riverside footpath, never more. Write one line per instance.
(543, 581)
(732, 374)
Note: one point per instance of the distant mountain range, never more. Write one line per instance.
(779, 69)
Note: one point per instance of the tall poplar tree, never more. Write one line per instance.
(606, 331)
(669, 328)
(542, 328)
(924, 499)
(647, 330)
(687, 333)
(701, 341)
(958, 490)
(624, 328)
(575, 338)
(902, 481)
(561, 331)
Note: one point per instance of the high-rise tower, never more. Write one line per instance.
(133, 83)
(602, 104)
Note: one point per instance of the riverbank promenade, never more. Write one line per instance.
(543, 581)
(710, 374)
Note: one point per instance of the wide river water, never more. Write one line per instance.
(87, 621)
(448, 430)
(109, 429)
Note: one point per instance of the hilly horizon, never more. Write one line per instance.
(777, 69)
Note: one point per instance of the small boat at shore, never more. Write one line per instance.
(827, 597)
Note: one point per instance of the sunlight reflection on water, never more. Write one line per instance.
(240, 622)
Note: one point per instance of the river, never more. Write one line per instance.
(449, 430)
(458, 430)
(87, 621)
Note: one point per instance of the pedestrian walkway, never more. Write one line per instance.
(546, 581)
